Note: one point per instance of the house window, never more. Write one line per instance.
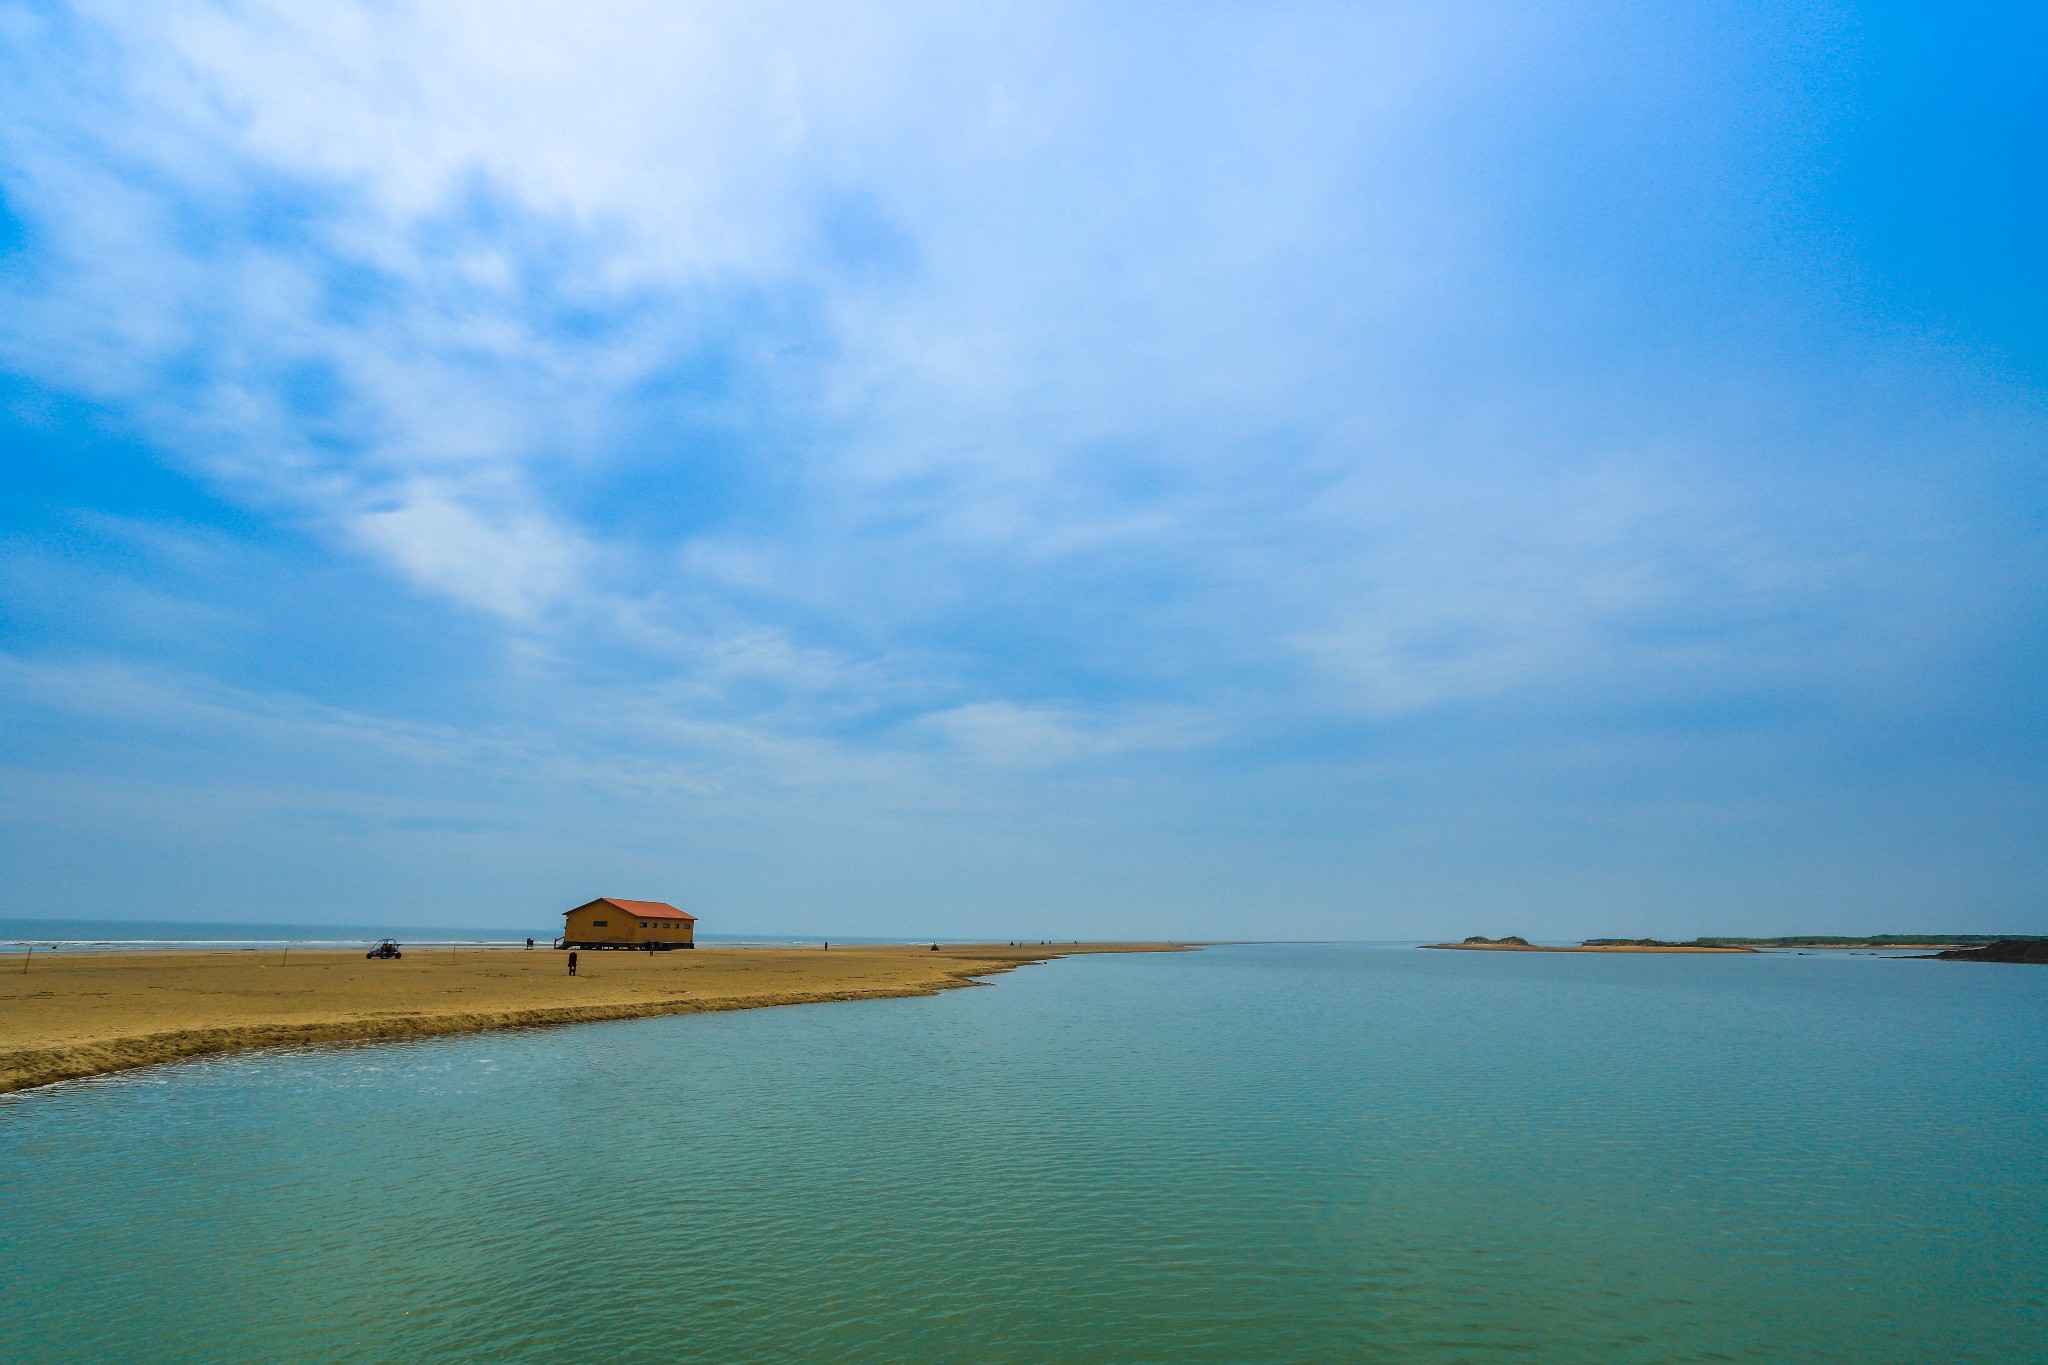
(600, 924)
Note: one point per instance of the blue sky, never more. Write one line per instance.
(1049, 470)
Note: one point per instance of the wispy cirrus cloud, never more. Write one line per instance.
(909, 404)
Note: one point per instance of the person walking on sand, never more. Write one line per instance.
(529, 945)
(572, 964)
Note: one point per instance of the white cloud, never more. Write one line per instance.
(1004, 735)
(1060, 364)
(900, 410)
(516, 566)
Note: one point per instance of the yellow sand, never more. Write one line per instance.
(79, 1014)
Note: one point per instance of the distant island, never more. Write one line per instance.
(2034, 950)
(1953, 947)
(1874, 941)
(1515, 943)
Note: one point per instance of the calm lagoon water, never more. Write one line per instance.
(1243, 1155)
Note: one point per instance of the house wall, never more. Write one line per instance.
(581, 926)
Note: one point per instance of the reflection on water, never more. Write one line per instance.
(1247, 1154)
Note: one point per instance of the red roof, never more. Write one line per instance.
(639, 909)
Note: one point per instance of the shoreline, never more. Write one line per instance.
(73, 1016)
(1583, 948)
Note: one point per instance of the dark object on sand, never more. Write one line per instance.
(2005, 950)
(935, 947)
(572, 964)
(529, 945)
(386, 950)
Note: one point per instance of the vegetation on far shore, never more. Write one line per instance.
(2010, 950)
(1946, 941)
(1851, 941)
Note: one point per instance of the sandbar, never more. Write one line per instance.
(69, 1015)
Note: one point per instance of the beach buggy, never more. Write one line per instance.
(386, 948)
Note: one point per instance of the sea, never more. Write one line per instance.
(1251, 1153)
(22, 937)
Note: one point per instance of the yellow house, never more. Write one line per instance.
(613, 923)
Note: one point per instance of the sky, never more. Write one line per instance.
(1283, 470)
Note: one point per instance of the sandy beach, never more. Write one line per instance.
(69, 1015)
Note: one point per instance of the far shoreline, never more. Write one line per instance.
(1987, 948)
(1498, 947)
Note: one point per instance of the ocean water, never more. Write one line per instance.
(22, 936)
(73, 936)
(1249, 1154)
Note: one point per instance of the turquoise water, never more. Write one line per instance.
(1243, 1155)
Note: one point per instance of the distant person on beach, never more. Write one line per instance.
(529, 945)
(572, 964)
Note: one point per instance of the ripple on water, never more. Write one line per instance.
(1249, 1154)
